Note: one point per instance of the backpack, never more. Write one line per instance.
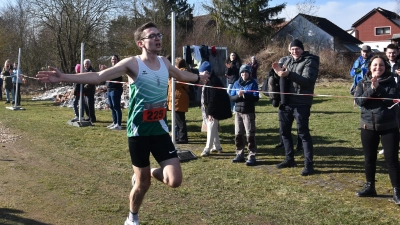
(271, 84)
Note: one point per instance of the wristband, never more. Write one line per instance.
(198, 79)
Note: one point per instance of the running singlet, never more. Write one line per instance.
(148, 98)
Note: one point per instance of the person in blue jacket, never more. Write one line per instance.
(360, 66)
(244, 94)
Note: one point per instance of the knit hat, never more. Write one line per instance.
(297, 43)
(78, 68)
(244, 68)
(205, 66)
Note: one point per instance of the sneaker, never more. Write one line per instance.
(75, 119)
(238, 158)
(116, 127)
(381, 152)
(307, 170)
(128, 222)
(251, 161)
(286, 164)
(205, 153)
(133, 179)
(13, 102)
(111, 125)
(6, 102)
(367, 191)
(216, 150)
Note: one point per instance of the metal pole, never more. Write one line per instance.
(17, 78)
(173, 79)
(81, 85)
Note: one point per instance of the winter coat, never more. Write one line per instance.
(254, 68)
(251, 95)
(303, 73)
(7, 80)
(216, 100)
(181, 96)
(89, 89)
(233, 72)
(375, 114)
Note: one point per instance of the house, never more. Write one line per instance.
(378, 28)
(318, 33)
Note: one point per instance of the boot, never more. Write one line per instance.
(396, 196)
(308, 169)
(368, 191)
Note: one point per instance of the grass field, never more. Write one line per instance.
(59, 174)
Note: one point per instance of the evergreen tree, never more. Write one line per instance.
(250, 18)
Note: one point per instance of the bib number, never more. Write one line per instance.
(154, 115)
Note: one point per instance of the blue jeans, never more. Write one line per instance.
(8, 91)
(114, 99)
(287, 114)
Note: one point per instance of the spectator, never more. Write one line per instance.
(216, 106)
(360, 66)
(7, 80)
(298, 77)
(299, 144)
(378, 122)
(232, 65)
(181, 103)
(245, 94)
(254, 66)
(391, 54)
(90, 91)
(147, 126)
(77, 94)
(114, 92)
(15, 80)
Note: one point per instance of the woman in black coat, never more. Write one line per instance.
(216, 106)
(374, 94)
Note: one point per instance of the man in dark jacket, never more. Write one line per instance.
(297, 76)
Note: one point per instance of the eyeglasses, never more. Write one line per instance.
(153, 36)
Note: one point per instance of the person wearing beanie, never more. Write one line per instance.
(300, 72)
(245, 94)
(215, 105)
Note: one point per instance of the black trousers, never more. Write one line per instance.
(180, 122)
(390, 142)
(89, 107)
(17, 94)
(287, 114)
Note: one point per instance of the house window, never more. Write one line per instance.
(382, 30)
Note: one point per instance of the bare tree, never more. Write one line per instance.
(71, 22)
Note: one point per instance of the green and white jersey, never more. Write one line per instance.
(148, 101)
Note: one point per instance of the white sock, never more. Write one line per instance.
(133, 216)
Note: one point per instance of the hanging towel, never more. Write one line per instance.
(197, 55)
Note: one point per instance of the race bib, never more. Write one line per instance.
(154, 112)
(154, 115)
